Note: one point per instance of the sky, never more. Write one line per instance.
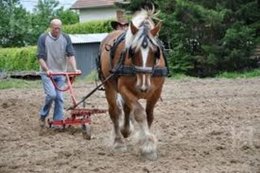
(30, 4)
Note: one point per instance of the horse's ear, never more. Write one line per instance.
(133, 28)
(156, 29)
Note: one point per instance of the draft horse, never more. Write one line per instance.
(136, 61)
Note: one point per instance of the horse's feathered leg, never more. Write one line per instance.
(150, 106)
(127, 126)
(115, 113)
(147, 140)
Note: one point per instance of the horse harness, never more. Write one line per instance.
(125, 70)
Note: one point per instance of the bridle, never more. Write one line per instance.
(121, 69)
(141, 69)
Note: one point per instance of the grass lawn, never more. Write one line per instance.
(19, 83)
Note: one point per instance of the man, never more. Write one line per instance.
(119, 25)
(55, 52)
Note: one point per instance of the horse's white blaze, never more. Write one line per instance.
(143, 87)
(149, 80)
(145, 55)
(138, 82)
(145, 82)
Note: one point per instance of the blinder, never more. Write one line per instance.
(131, 52)
(158, 52)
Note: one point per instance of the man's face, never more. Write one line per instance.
(55, 30)
(122, 26)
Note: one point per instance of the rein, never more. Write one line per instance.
(91, 92)
(113, 73)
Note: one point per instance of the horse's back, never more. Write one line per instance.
(105, 48)
(109, 39)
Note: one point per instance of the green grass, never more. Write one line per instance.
(180, 76)
(228, 75)
(91, 77)
(235, 75)
(19, 83)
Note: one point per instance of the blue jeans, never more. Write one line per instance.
(53, 95)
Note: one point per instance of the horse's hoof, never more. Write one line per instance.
(125, 133)
(152, 156)
(120, 147)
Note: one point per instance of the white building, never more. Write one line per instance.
(90, 10)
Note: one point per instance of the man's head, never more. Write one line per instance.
(55, 27)
(119, 25)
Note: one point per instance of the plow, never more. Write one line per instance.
(79, 116)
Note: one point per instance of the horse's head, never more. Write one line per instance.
(143, 48)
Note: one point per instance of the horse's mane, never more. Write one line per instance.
(139, 18)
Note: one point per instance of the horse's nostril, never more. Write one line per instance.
(143, 90)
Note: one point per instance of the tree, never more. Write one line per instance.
(67, 16)
(207, 37)
(44, 12)
(20, 28)
(15, 24)
(135, 5)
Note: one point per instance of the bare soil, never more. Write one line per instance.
(204, 126)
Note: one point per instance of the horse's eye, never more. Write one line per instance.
(157, 53)
(131, 53)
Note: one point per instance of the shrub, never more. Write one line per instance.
(88, 27)
(18, 59)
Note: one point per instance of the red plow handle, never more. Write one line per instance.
(70, 76)
(65, 73)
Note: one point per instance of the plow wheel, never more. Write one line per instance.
(86, 131)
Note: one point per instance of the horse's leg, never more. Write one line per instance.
(147, 141)
(115, 113)
(126, 129)
(150, 107)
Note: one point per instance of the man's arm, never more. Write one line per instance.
(41, 53)
(43, 65)
(41, 50)
(72, 62)
(70, 52)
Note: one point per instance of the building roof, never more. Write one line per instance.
(81, 4)
(87, 38)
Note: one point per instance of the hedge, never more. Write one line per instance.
(18, 59)
(88, 27)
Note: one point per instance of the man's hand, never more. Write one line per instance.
(78, 71)
(49, 72)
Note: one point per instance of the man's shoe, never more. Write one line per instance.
(57, 127)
